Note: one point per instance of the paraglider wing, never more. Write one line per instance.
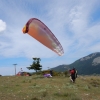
(42, 33)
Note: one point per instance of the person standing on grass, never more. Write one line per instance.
(73, 75)
(51, 72)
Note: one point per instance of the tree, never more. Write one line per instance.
(35, 65)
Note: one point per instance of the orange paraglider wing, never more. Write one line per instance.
(42, 33)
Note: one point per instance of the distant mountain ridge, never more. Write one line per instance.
(85, 66)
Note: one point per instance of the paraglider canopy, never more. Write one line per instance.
(38, 30)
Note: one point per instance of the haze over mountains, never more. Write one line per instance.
(87, 65)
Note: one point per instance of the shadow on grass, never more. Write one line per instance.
(34, 98)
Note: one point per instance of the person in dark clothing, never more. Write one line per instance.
(73, 75)
(51, 72)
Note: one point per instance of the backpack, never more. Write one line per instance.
(72, 71)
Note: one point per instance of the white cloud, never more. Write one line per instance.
(2, 25)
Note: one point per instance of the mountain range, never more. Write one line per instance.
(87, 65)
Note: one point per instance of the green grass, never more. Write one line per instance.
(55, 88)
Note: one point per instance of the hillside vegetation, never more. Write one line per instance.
(37, 87)
(87, 65)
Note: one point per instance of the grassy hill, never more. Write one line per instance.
(55, 88)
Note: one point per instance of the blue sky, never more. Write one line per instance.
(75, 23)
